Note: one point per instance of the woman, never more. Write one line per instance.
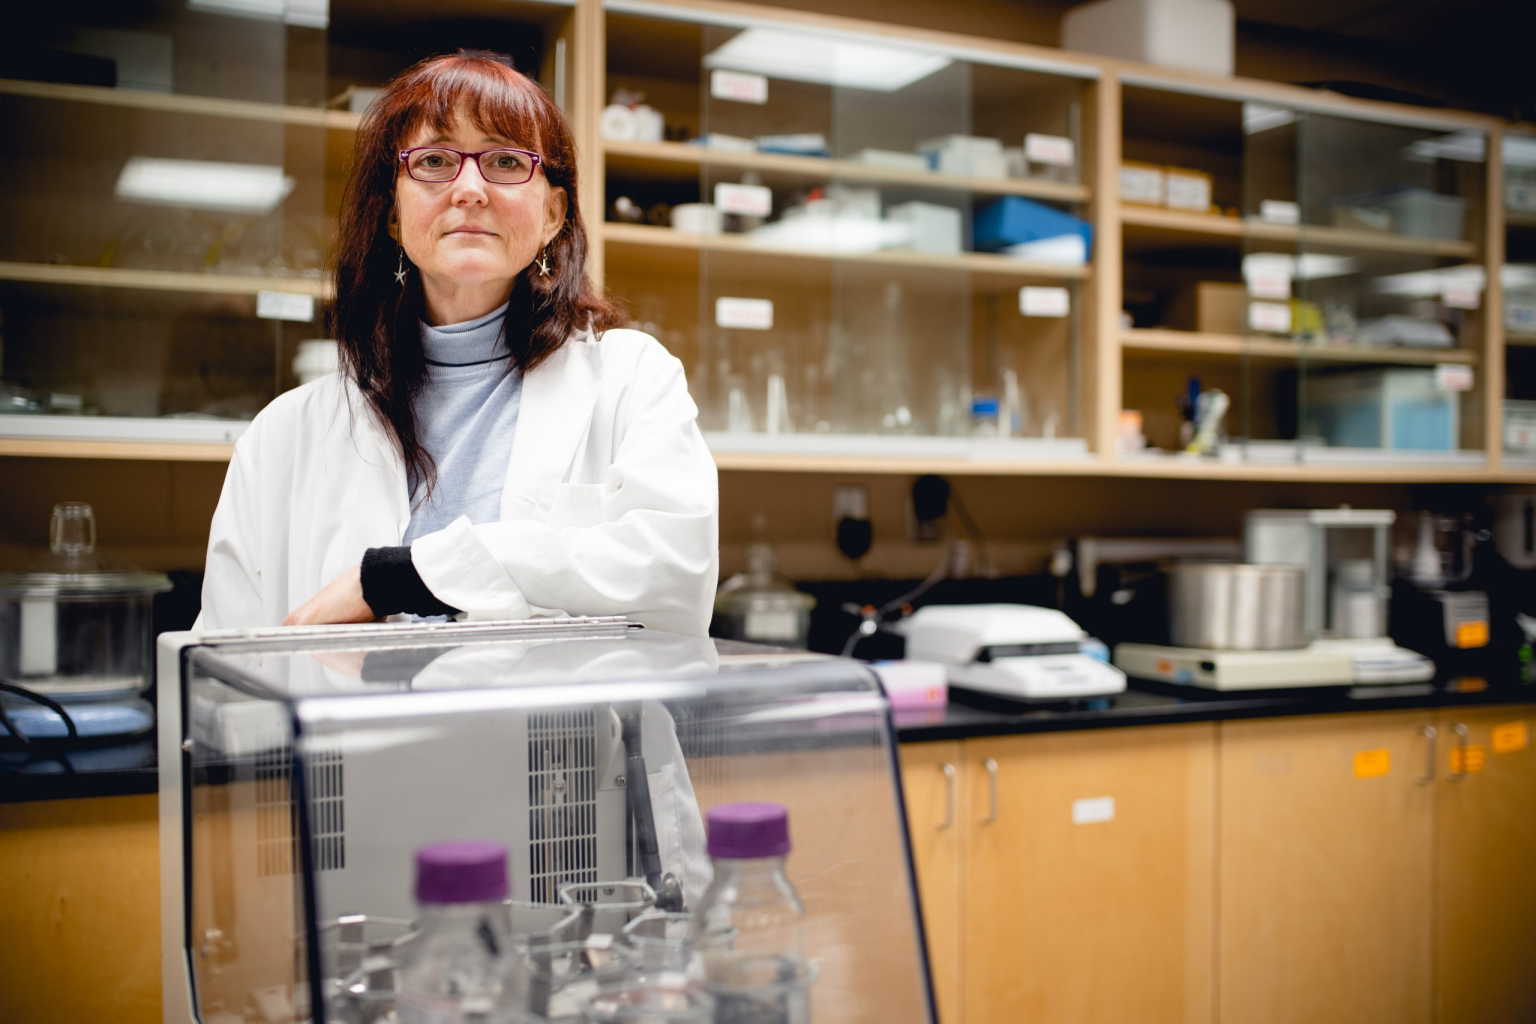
(493, 448)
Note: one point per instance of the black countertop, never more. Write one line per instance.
(129, 768)
(1150, 703)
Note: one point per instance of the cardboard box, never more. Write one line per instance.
(1199, 35)
(1141, 183)
(1211, 307)
(1185, 189)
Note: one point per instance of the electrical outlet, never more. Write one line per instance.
(849, 501)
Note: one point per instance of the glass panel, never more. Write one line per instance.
(1388, 269)
(165, 169)
(1520, 299)
(531, 740)
(826, 201)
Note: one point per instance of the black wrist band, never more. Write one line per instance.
(392, 585)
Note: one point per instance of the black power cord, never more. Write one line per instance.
(71, 733)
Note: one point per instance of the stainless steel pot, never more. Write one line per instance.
(1231, 607)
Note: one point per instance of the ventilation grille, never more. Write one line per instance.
(276, 817)
(562, 801)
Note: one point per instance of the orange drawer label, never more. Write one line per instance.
(1372, 764)
(1472, 634)
(1510, 737)
(1474, 760)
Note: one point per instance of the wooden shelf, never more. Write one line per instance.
(143, 451)
(994, 270)
(1175, 225)
(753, 462)
(649, 160)
(163, 280)
(1520, 338)
(1519, 219)
(1236, 346)
(209, 106)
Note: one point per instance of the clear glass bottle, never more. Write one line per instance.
(762, 975)
(750, 894)
(461, 967)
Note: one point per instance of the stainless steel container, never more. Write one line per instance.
(1234, 607)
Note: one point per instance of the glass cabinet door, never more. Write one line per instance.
(1389, 269)
(164, 214)
(1519, 312)
(856, 245)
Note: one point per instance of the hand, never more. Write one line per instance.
(340, 601)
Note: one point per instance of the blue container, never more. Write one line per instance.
(1014, 219)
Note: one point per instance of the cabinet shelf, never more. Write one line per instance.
(209, 106)
(1522, 338)
(996, 271)
(660, 160)
(163, 280)
(1174, 226)
(1155, 341)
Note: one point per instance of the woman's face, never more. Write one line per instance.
(471, 233)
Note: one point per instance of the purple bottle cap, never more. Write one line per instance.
(463, 871)
(748, 831)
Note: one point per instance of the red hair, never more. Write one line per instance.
(375, 320)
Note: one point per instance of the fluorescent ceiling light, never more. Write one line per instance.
(824, 59)
(307, 13)
(1260, 117)
(1468, 275)
(203, 184)
(1309, 266)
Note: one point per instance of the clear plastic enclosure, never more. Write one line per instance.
(316, 767)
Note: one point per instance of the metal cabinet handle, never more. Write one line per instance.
(1460, 729)
(991, 767)
(949, 796)
(1429, 756)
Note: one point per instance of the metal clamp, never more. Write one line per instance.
(1429, 755)
(1460, 729)
(949, 796)
(991, 767)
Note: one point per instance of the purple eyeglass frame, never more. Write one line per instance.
(464, 158)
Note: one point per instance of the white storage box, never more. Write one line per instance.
(1397, 408)
(1424, 214)
(968, 155)
(931, 227)
(1193, 34)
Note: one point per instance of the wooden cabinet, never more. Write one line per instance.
(1485, 796)
(1326, 872)
(1074, 884)
(930, 776)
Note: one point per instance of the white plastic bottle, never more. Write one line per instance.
(460, 969)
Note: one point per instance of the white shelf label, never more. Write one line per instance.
(747, 200)
(1049, 149)
(1270, 284)
(285, 306)
(738, 86)
(1279, 211)
(1453, 377)
(1461, 296)
(744, 314)
(1093, 810)
(1039, 301)
(1270, 317)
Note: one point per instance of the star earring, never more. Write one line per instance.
(400, 270)
(543, 262)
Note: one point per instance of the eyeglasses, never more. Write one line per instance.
(498, 166)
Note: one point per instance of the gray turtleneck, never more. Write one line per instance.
(466, 416)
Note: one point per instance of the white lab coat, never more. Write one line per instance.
(610, 506)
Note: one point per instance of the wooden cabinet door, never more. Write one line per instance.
(1326, 870)
(930, 779)
(1486, 840)
(1088, 883)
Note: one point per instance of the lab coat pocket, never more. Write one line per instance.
(577, 505)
